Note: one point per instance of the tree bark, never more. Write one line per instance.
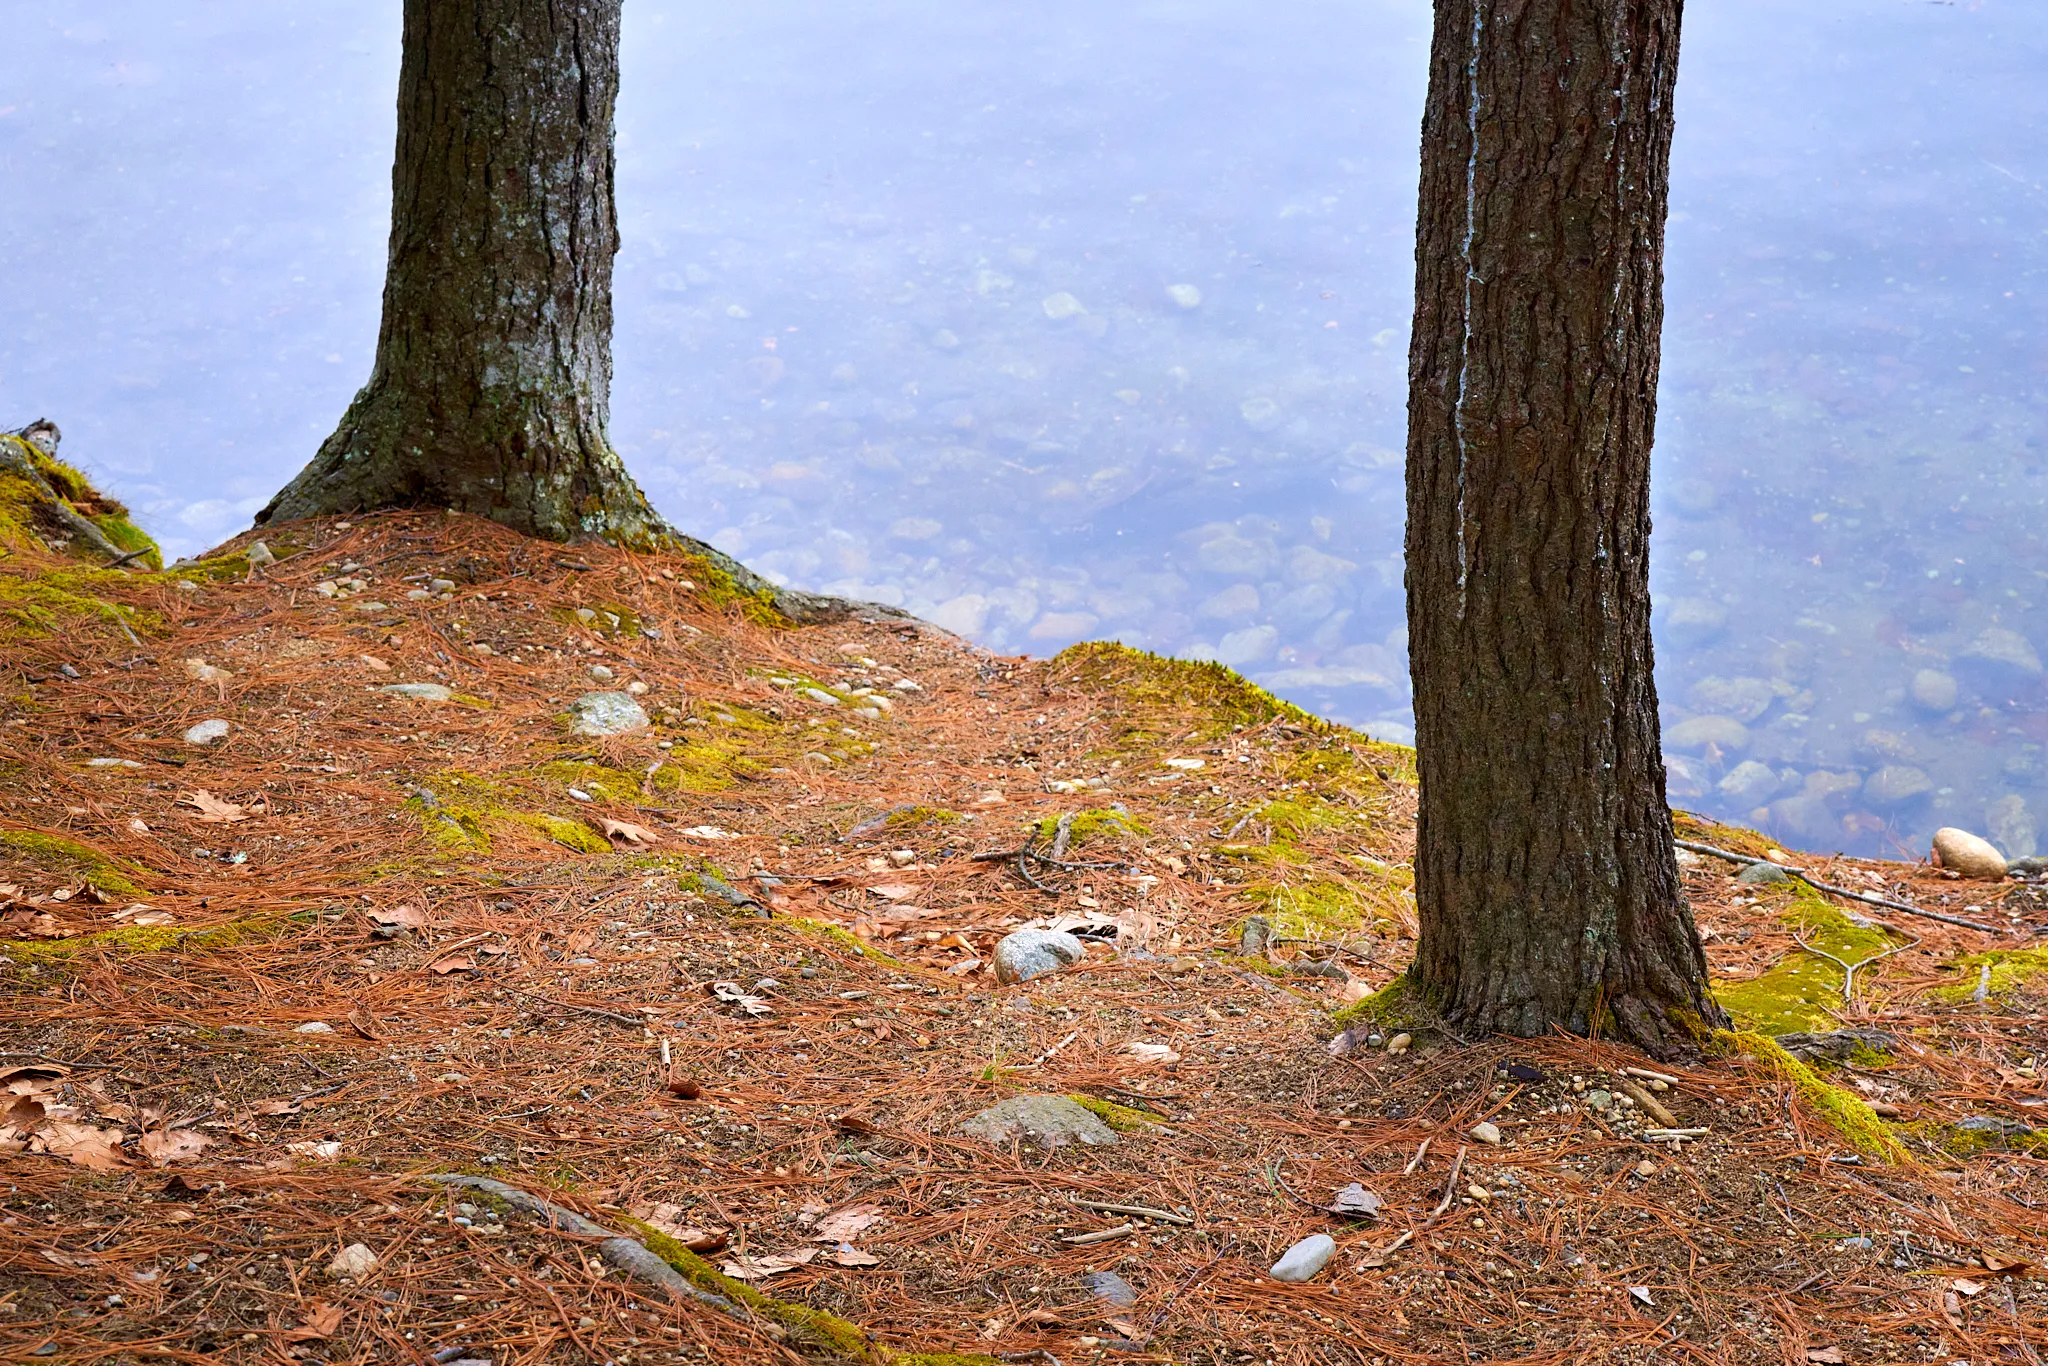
(1546, 879)
(492, 378)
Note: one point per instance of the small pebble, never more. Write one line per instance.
(1485, 1132)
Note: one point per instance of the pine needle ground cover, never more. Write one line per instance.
(723, 986)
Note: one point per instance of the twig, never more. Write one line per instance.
(1047, 1055)
(1141, 1211)
(1848, 968)
(1661, 1134)
(1061, 834)
(1101, 1235)
(1416, 1160)
(122, 560)
(1865, 897)
(1450, 1185)
(1651, 1105)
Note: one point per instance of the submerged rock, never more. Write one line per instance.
(1933, 690)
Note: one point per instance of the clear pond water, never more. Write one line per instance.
(1092, 321)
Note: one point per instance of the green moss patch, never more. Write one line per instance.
(463, 808)
(1315, 909)
(1152, 697)
(134, 939)
(1804, 992)
(52, 603)
(2010, 971)
(1121, 1118)
(1094, 824)
(1842, 1110)
(70, 860)
(1394, 1007)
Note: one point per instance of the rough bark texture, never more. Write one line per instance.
(493, 371)
(1545, 872)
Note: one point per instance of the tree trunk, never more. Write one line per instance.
(493, 372)
(1545, 874)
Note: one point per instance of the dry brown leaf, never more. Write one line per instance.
(166, 1146)
(322, 1321)
(213, 809)
(375, 664)
(625, 833)
(85, 1144)
(850, 1221)
(846, 1254)
(67, 1258)
(893, 891)
(761, 1268)
(410, 914)
(1830, 1355)
(454, 962)
(22, 1113)
(1152, 1052)
(1963, 1285)
(664, 1218)
(362, 1024)
(580, 941)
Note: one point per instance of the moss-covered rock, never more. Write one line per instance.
(1999, 973)
(47, 505)
(1803, 994)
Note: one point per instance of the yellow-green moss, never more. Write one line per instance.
(1293, 819)
(1121, 1118)
(810, 1327)
(68, 858)
(1312, 909)
(56, 601)
(852, 943)
(2011, 970)
(614, 617)
(1803, 992)
(135, 939)
(1736, 839)
(1155, 695)
(1393, 1007)
(1091, 824)
(1960, 1142)
(20, 500)
(464, 806)
(1843, 1111)
(910, 816)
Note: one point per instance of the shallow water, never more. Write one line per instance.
(1095, 324)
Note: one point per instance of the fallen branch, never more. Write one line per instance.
(1848, 968)
(1649, 1103)
(1866, 898)
(617, 1250)
(1450, 1186)
(1140, 1211)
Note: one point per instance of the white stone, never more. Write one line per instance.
(1968, 854)
(1186, 296)
(1061, 306)
(352, 1263)
(1024, 954)
(206, 732)
(420, 692)
(1934, 690)
(314, 1027)
(1307, 1257)
(1485, 1132)
(606, 713)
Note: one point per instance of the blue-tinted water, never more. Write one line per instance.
(1093, 321)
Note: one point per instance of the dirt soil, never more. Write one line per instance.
(726, 981)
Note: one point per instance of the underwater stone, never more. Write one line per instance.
(1933, 690)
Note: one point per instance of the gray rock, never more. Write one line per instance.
(1724, 732)
(1695, 621)
(1256, 936)
(1024, 954)
(1749, 783)
(1110, 1288)
(1745, 699)
(1992, 1124)
(1051, 1121)
(2004, 650)
(206, 732)
(420, 692)
(819, 695)
(1933, 690)
(2027, 867)
(1485, 1132)
(1762, 875)
(606, 713)
(1836, 1045)
(1896, 783)
(2012, 825)
(1307, 1257)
